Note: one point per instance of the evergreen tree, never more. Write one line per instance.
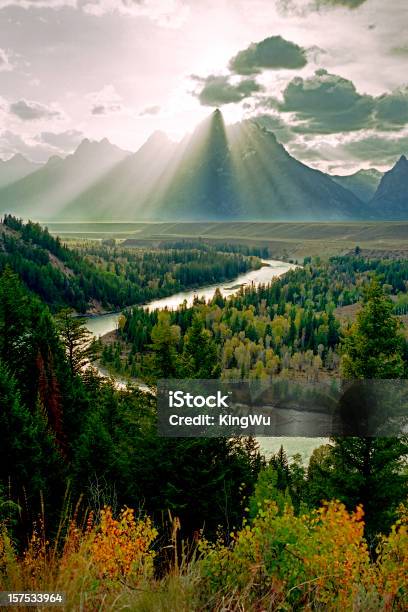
(362, 469)
(374, 346)
(76, 340)
(30, 346)
(280, 463)
(16, 333)
(200, 352)
(369, 471)
(165, 338)
(30, 463)
(320, 466)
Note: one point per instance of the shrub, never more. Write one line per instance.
(318, 560)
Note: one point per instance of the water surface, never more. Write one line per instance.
(272, 268)
(102, 324)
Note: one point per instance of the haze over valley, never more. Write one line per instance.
(273, 118)
(219, 172)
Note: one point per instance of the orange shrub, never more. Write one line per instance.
(319, 558)
(392, 565)
(316, 561)
(102, 558)
(121, 548)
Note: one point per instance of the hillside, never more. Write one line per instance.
(220, 172)
(285, 189)
(47, 191)
(391, 198)
(15, 169)
(123, 188)
(96, 277)
(363, 183)
(57, 274)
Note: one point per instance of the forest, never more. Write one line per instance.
(107, 276)
(94, 503)
(288, 328)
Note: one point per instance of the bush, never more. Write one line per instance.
(315, 561)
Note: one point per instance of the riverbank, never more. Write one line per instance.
(104, 326)
(252, 264)
(101, 324)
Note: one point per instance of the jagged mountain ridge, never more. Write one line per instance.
(15, 169)
(238, 172)
(363, 183)
(242, 172)
(390, 201)
(45, 192)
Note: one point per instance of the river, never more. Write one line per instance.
(102, 324)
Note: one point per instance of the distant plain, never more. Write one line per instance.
(284, 240)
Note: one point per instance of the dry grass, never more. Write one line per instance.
(318, 561)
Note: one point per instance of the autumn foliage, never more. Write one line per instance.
(91, 563)
(317, 560)
(314, 561)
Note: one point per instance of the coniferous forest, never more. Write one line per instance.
(106, 277)
(95, 504)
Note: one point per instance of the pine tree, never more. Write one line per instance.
(29, 461)
(200, 352)
(368, 470)
(374, 346)
(76, 339)
(15, 330)
(165, 338)
(280, 463)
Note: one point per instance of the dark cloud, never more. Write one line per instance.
(377, 148)
(98, 109)
(370, 150)
(31, 111)
(304, 7)
(275, 124)
(327, 103)
(150, 110)
(105, 109)
(392, 109)
(64, 141)
(274, 53)
(352, 4)
(218, 90)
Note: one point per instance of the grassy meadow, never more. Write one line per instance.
(283, 240)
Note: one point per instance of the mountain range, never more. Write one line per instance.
(363, 183)
(391, 197)
(219, 172)
(16, 168)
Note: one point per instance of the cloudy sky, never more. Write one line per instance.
(328, 76)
